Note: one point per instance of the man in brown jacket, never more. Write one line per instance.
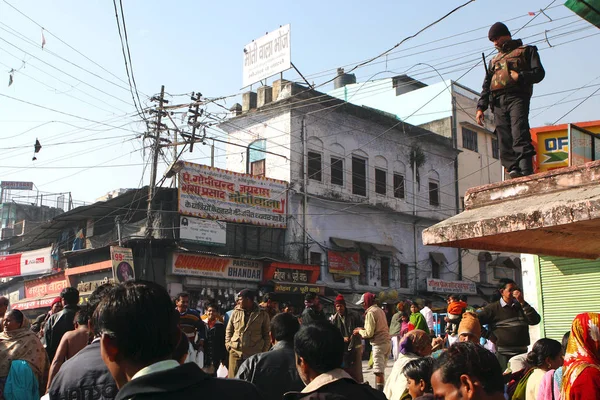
(376, 330)
(247, 332)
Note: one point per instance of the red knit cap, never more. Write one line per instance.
(340, 300)
(56, 300)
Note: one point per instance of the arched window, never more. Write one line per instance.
(257, 158)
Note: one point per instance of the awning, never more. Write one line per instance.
(439, 258)
(552, 213)
(368, 246)
(344, 243)
(588, 10)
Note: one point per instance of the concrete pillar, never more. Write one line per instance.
(248, 101)
(265, 95)
(278, 86)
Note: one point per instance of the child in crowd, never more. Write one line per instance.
(418, 375)
(456, 308)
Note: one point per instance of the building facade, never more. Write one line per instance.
(448, 109)
(362, 187)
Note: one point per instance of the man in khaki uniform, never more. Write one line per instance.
(247, 331)
(377, 331)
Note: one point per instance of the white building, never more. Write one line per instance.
(448, 109)
(355, 206)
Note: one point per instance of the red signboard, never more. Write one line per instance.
(49, 285)
(28, 263)
(29, 305)
(10, 265)
(291, 273)
(346, 263)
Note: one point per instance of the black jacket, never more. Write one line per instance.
(339, 389)
(214, 346)
(84, 376)
(274, 372)
(351, 321)
(535, 73)
(56, 326)
(186, 381)
(310, 316)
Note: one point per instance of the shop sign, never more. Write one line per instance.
(441, 286)
(552, 150)
(34, 262)
(217, 267)
(214, 193)
(30, 305)
(287, 275)
(267, 56)
(297, 289)
(15, 185)
(45, 286)
(202, 230)
(346, 263)
(122, 263)
(90, 286)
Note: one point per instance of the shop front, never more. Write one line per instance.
(88, 277)
(291, 282)
(212, 279)
(39, 294)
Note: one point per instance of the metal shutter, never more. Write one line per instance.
(569, 287)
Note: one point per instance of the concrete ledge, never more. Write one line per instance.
(553, 213)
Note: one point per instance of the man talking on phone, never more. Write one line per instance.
(509, 319)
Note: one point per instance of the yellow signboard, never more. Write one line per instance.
(552, 150)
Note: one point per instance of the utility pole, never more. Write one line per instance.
(193, 118)
(155, 151)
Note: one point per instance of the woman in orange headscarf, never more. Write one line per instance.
(581, 378)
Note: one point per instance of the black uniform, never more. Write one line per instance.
(511, 102)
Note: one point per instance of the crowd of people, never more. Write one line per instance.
(132, 341)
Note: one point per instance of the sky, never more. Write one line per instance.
(73, 95)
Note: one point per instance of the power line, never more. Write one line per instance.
(61, 81)
(580, 103)
(64, 113)
(19, 35)
(65, 43)
(62, 71)
(128, 67)
(56, 90)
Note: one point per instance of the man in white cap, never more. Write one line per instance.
(376, 330)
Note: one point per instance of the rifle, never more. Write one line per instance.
(487, 74)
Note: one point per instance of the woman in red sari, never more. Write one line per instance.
(581, 378)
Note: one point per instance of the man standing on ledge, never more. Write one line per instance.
(510, 78)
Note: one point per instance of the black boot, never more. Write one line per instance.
(515, 173)
(526, 166)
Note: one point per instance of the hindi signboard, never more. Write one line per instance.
(459, 287)
(346, 263)
(122, 261)
(217, 267)
(14, 185)
(214, 193)
(298, 289)
(267, 56)
(46, 286)
(202, 230)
